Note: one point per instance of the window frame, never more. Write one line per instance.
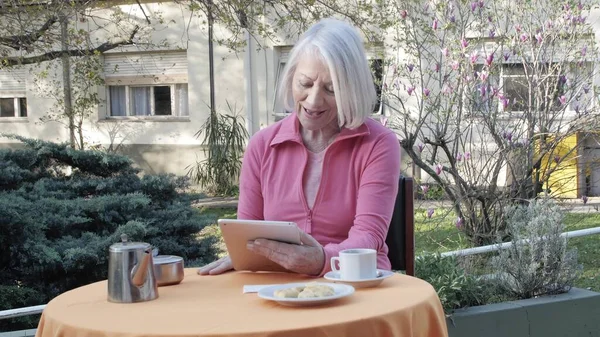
(147, 69)
(500, 80)
(176, 110)
(16, 105)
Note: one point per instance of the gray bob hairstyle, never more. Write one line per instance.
(340, 47)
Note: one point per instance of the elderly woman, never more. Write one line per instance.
(327, 167)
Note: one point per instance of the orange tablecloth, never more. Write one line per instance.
(215, 306)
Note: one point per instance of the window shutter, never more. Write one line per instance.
(13, 82)
(146, 68)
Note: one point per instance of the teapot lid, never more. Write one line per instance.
(126, 245)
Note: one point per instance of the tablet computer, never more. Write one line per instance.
(236, 233)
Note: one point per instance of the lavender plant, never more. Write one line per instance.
(538, 261)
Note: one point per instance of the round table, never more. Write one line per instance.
(216, 306)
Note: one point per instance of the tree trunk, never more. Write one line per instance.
(66, 66)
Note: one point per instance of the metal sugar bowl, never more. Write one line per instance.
(131, 272)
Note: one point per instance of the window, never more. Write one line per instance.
(13, 107)
(146, 84)
(514, 80)
(156, 100)
(376, 65)
(13, 102)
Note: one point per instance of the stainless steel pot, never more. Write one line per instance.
(130, 272)
(168, 269)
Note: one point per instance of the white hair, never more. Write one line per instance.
(340, 46)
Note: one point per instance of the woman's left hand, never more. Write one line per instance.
(307, 258)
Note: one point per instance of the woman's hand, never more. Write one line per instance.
(217, 267)
(307, 258)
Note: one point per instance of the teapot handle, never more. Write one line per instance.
(140, 271)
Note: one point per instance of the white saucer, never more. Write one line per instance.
(366, 283)
(268, 293)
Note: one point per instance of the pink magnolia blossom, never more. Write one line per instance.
(455, 65)
(410, 90)
(492, 33)
(580, 6)
(467, 155)
(464, 43)
(524, 37)
(473, 57)
(538, 37)
(452, 18)
(438, 169)
(563, 100)
(583, 51)
(434, 25)
(483, 76)
(445, 52)
(420, 147)
(518, 28)
(481, 3)
(403, 14)
(489, 59)
(495, 91)
(447, 89)
(430, 213)
(557, 159)
(586, 88)
(410, 67)
(473, 6)
(459, 157)
(584, 199)
(426, 92)
(459, 223)
(504, 102)
(506, 56)
(482, 90)
(425, 188)
(436, 68)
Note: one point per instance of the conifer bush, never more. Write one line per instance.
(61, 209)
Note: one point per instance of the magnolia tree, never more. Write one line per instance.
(490, 98)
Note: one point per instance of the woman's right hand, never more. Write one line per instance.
(217, 267)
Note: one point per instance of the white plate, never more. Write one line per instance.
(341, 290)
(366, 283)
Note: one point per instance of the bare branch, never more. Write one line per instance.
(24, 42)
(12, 61)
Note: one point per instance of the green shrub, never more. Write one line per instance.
(538, 262)
(61, 209)
(455, 287)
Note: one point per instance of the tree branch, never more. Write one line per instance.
(13, 61)
(19, 42)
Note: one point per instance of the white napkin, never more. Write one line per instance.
(254, 288)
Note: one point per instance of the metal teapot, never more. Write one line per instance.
(131, 272)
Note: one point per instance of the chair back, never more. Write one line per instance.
(401, 234)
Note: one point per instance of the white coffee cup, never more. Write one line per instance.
(356, 264)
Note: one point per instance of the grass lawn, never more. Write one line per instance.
(436, 236)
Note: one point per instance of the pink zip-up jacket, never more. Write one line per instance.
(355, 199)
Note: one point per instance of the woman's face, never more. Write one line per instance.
(313, 94)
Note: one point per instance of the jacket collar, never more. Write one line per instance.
(290, 131)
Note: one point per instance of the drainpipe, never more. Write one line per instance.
(249, 80)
